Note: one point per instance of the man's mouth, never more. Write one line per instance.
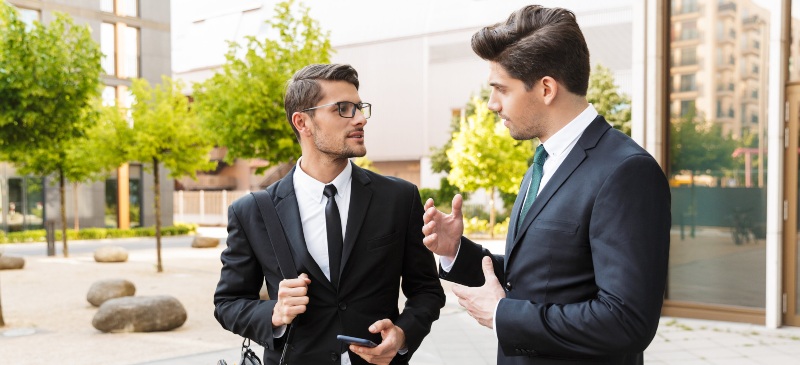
(356, 135)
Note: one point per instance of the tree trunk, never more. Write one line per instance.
(2, 321)
(492, 212)
(157, 188)
(77, 223)
(61, 191)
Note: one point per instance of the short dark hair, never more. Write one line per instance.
(536, 42)
(303, 90)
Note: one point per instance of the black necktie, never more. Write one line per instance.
(536, 177)
(333, 223)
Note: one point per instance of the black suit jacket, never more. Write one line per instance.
(383, 245)
(586, 273)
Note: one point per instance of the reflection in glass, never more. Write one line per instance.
(25, 203)
(717, 153)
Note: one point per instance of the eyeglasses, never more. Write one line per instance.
(348, 109)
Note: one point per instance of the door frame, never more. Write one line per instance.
(791, 314)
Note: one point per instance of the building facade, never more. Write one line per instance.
(134, 37)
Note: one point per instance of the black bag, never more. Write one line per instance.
(248, 356)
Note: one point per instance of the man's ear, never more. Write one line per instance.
(299, 120)
(549, 89)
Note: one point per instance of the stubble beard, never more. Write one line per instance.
(345, 152)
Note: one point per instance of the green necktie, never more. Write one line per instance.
(536, 177)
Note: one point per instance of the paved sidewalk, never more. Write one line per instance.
(49, 320)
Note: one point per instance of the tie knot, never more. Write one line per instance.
(329, 191)
(540, 155)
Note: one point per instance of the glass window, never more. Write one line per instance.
(109, 95)
(129, 8)
(108, 42)
(107, 6)
(717, 163)
(130, 52)
(29, 16)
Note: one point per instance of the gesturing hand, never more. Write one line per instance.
(443, 231)
(292, 300)
(480, 302)
(393, 340)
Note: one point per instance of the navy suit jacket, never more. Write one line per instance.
(383, 244)
(585, 275)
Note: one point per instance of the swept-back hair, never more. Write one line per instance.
(536, 42)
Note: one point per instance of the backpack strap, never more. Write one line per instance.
(277, 237)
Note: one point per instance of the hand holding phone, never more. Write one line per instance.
(356, 341)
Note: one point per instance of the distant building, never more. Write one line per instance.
(135, 38)
(415, 82)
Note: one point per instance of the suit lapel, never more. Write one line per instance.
(512, 224)
(360, 196)
(587, 141)
(289, 213)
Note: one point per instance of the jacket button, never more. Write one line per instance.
(508, 285)
(343, 306)
(334, 356)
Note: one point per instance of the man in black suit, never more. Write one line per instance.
(346, 288)
(583, 276)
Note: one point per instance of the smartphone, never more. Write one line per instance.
(356, 341)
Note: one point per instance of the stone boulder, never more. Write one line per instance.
(140, 314)
(205, 242)
(111, 254)
(103, 290)
(11, 262)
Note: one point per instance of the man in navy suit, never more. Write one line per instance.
(583, 276)
(355, 237)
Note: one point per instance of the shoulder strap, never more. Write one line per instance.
(275, 232)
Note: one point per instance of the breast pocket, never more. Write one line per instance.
(558, 226)
(555, 233)
(382, 241)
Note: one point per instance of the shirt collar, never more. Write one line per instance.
(558, 143)
(313, 187)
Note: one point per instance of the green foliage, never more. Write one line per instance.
(484, 155)
(439, 161)
(49, 75)
(39, 235)
(603, 94)
(166, 130)
(442, 197)
(243, 103)
(699, 147)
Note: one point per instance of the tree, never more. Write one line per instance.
(484, 155)
(242, 105)
(166, 131)
(105, 146)
(49, 78)
(607, 100)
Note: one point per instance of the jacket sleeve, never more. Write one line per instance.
(237, 305)
(467, 269)
(629, 240)
(420, 283)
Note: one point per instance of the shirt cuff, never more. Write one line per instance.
(278, 332)
(402, 351)
(447, 263)
(494, 319)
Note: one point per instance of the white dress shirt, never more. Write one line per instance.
(311, 202)
(558, 146)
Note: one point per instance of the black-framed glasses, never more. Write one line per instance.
(347, 109)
